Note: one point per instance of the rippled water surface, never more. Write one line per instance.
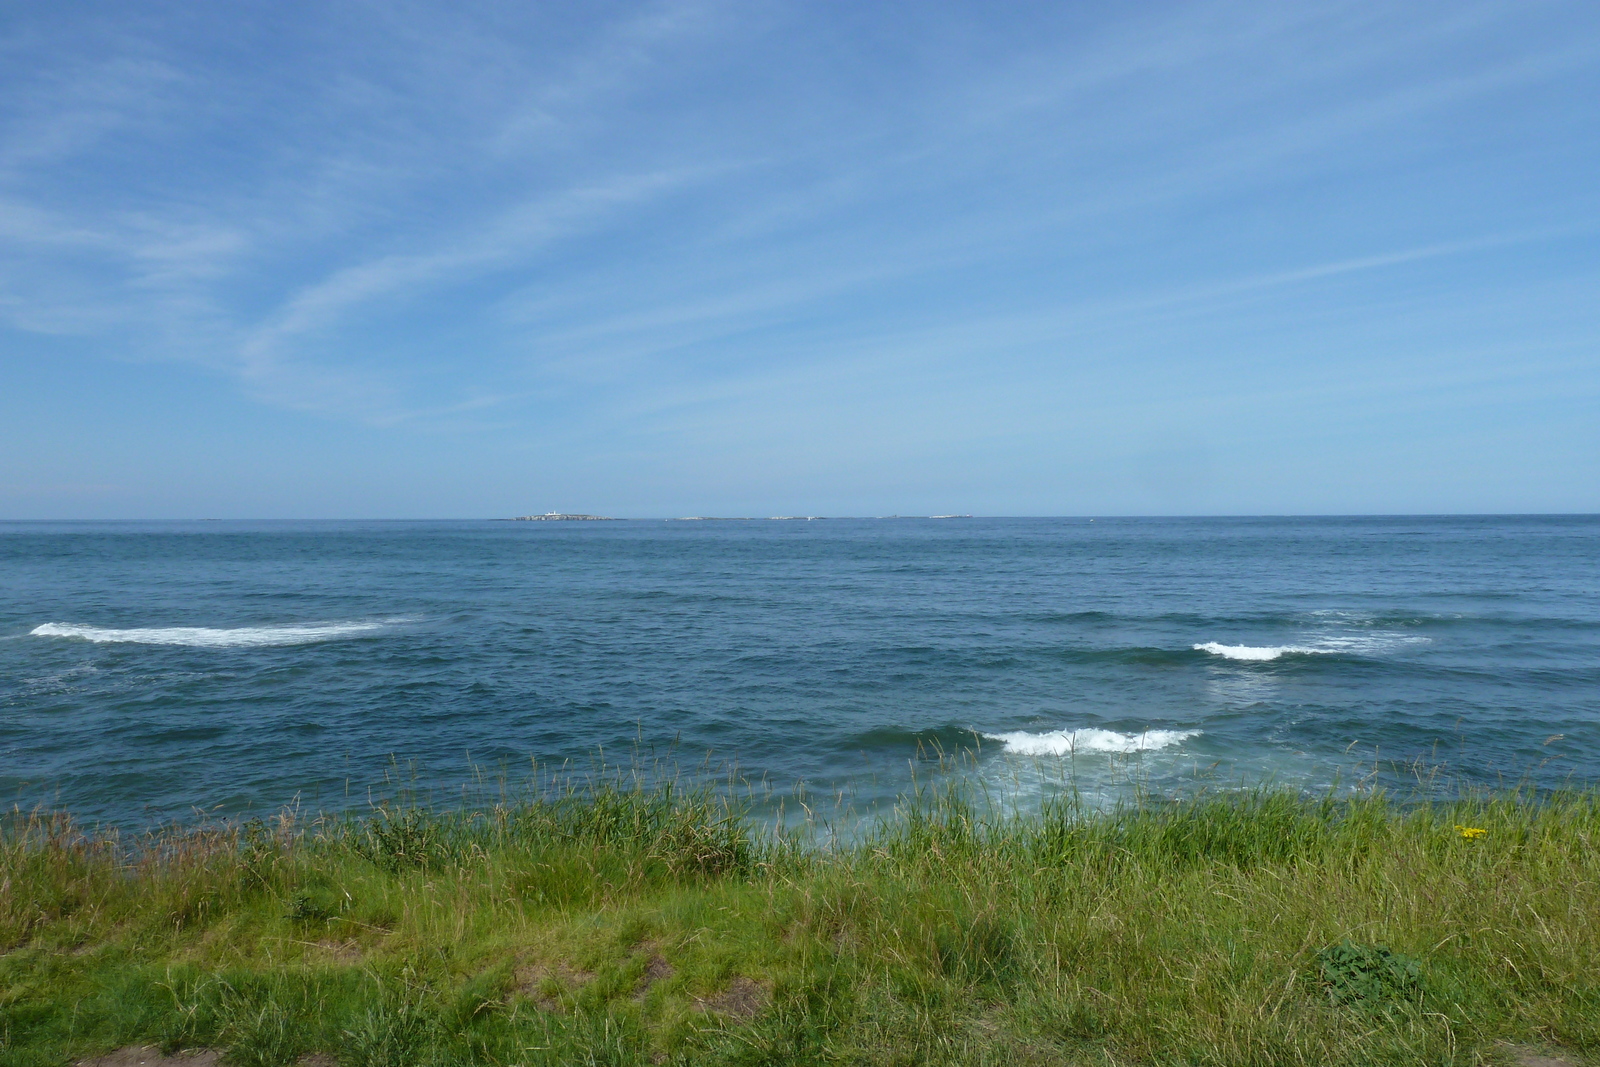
(147, 670)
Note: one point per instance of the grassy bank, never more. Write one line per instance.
(624, 926)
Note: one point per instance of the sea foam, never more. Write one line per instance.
(208, 637)
(1379, 643)
(1088, 740)
(1258, 654)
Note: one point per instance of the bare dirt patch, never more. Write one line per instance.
(534, 981)
(348, 952)
(1523, 1056)
(743, 999)
(656, 969)
(316, 1059)
(150, 1056)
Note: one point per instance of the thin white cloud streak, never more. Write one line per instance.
(609, 69)
(631, 340)
(71, 110)
(966, 381)
(523, 231)
(606, 350)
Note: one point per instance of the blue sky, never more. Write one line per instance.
(453, 260)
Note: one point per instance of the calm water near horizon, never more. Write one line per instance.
(151, 669)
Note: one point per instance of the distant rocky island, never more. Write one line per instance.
(559, 516)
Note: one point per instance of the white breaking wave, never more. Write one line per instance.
(207, 637)
(1370, 644)
(1257, 653)
(1066, 742)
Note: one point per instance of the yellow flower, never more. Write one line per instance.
(1471, 832)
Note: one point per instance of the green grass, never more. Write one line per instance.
(634, 925)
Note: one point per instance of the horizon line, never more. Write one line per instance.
(1085, 516)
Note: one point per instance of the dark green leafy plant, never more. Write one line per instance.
(307, 907)
(1368, 974)
(396, 841)
(260, 855)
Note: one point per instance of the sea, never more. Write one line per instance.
(153, 672)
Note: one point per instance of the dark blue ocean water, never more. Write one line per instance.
(151, 669)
